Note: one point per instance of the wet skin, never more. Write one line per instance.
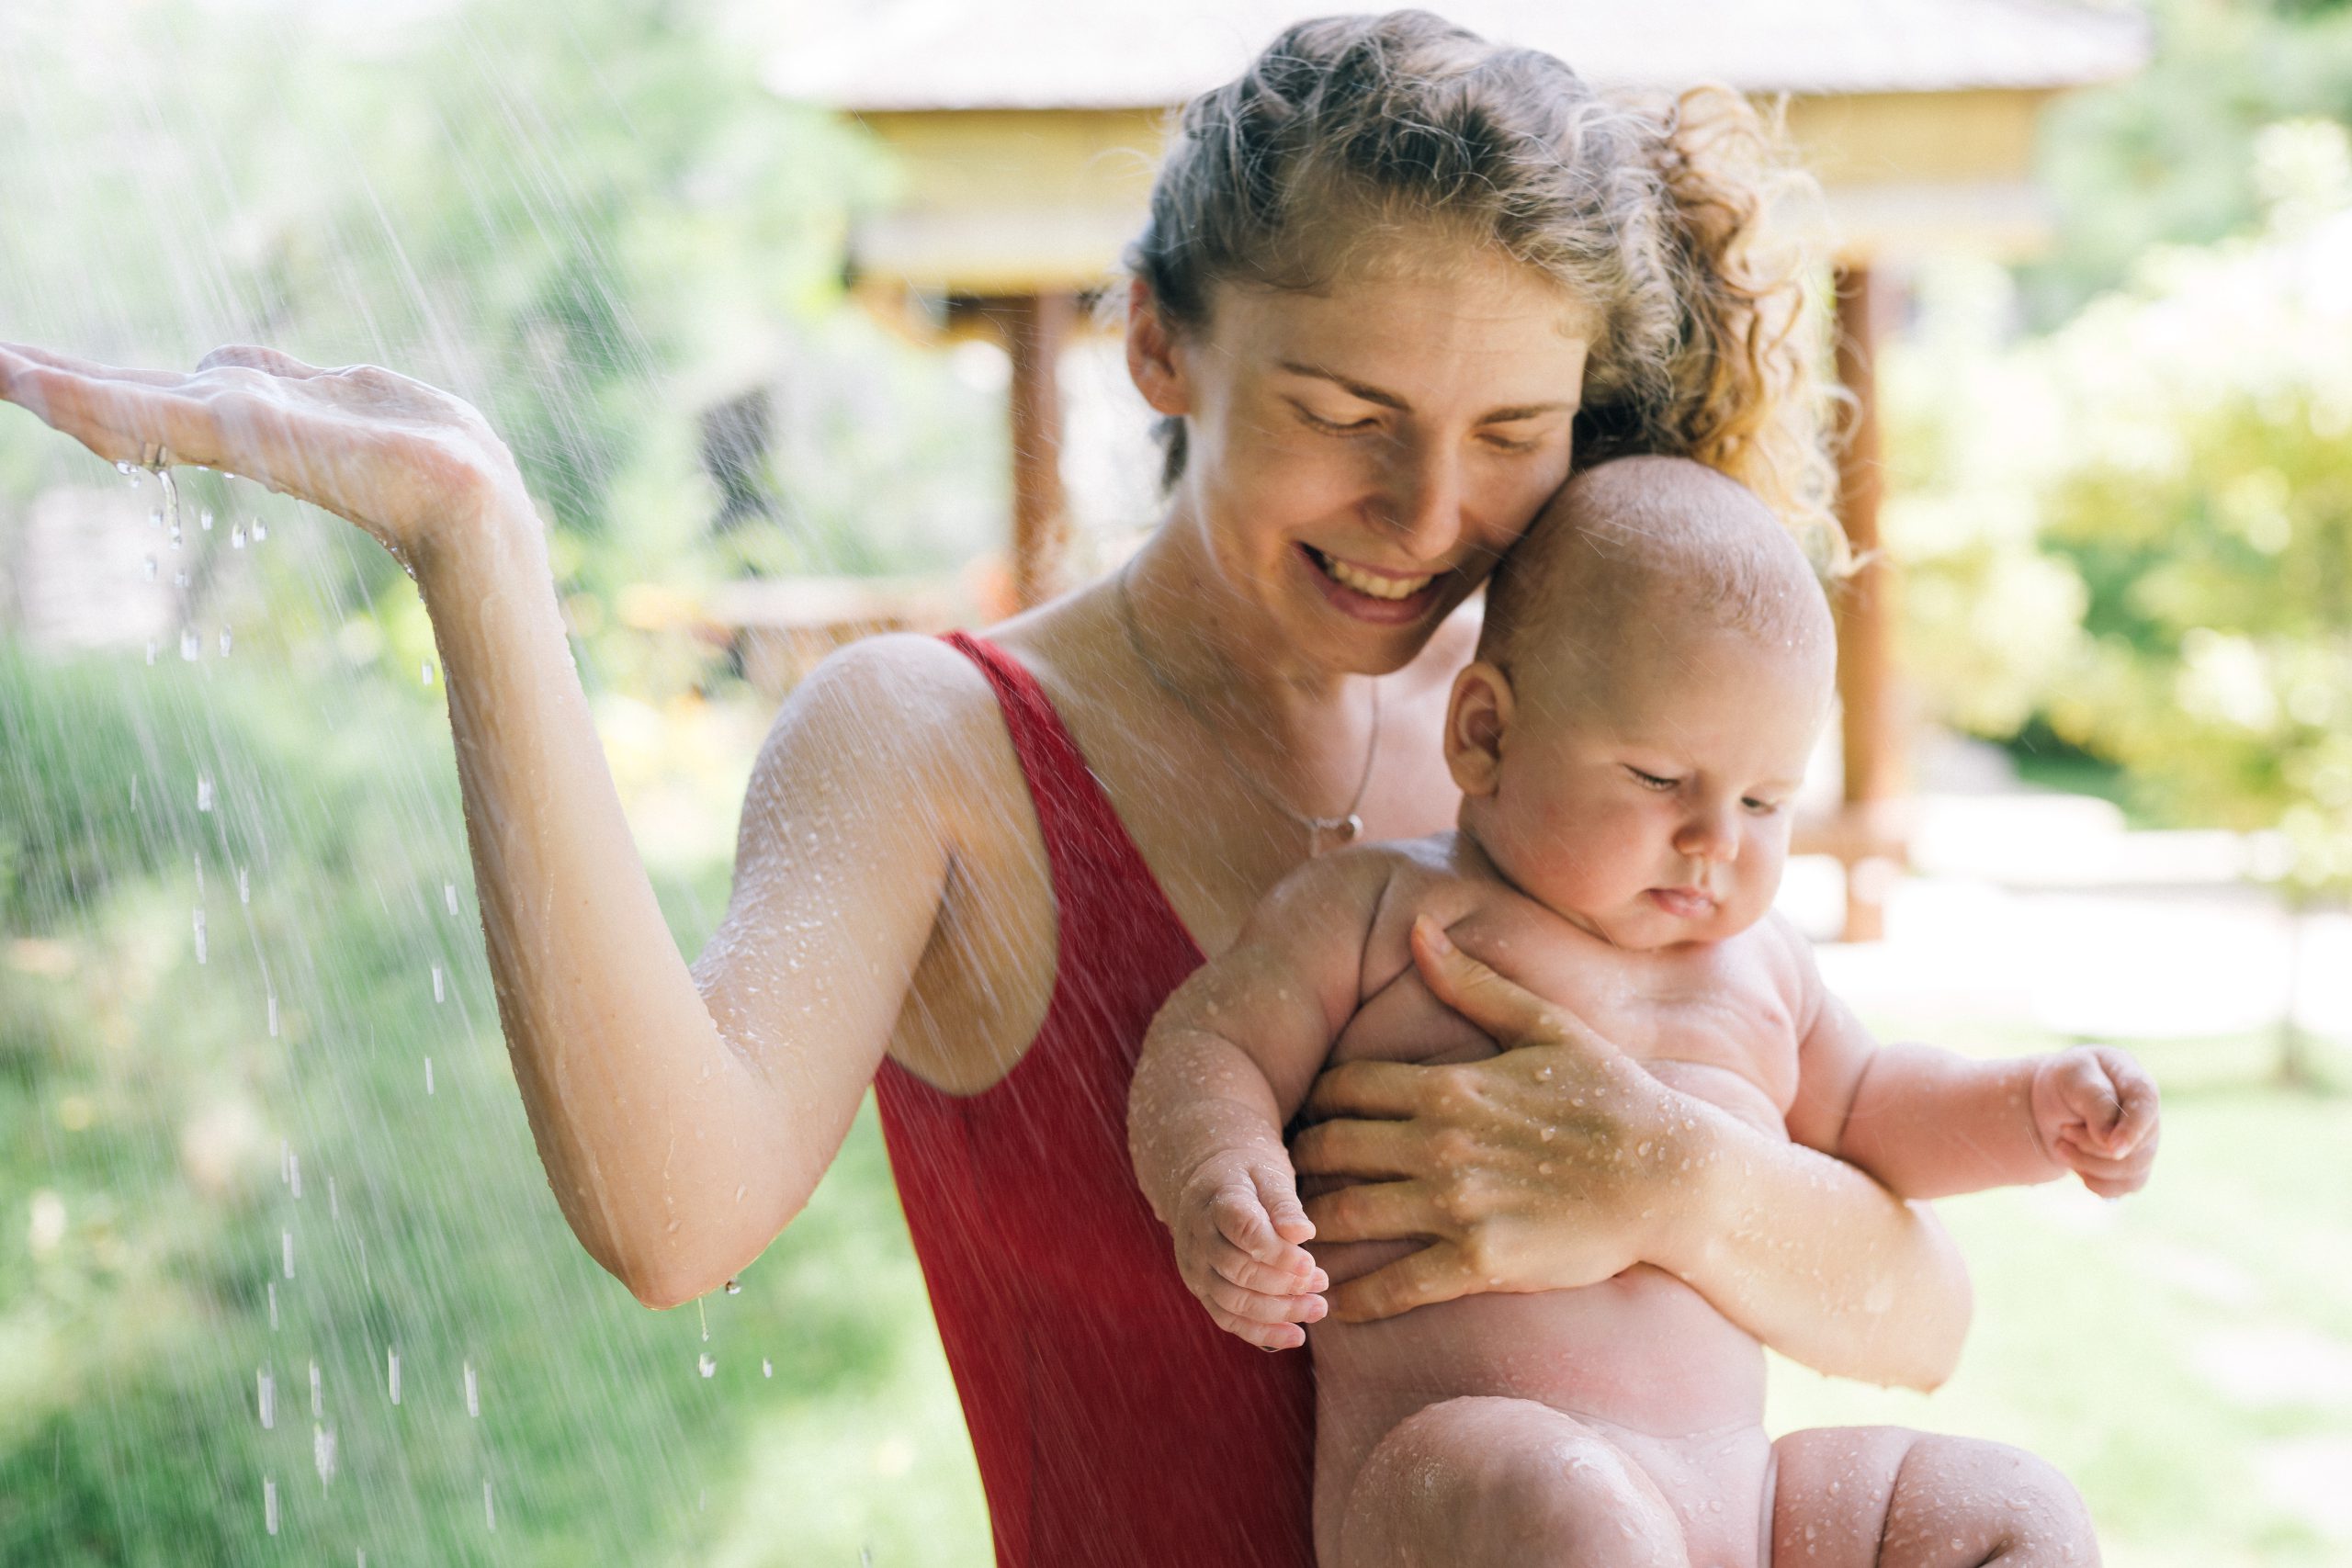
(1621, 1420)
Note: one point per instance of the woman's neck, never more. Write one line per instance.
(1221, 655)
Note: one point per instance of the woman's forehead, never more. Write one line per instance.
(1395, 328)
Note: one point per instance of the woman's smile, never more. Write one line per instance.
(1369, 593)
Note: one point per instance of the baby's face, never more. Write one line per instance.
(1651, 804)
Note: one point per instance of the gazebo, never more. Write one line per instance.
(1027, 130)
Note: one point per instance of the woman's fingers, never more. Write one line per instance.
(1511, 1014)
(1382, 1090)
(251, 357)
(1377, 1211)
(1352, 1147)
(1436, 1273)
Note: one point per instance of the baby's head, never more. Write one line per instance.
(1658, 660)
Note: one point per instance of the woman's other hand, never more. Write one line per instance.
(1556, 1164)
(402, 459)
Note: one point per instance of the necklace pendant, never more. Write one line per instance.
(1329, 833)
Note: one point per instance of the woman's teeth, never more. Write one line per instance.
(1366, 583)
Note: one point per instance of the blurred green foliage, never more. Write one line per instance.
(2166, 157)
(147, 1112)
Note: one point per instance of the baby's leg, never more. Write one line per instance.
(1473, 1481)
(1886, 1497)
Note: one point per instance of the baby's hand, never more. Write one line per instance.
(1238, 1233)
(2095, 1111)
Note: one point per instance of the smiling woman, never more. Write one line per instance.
(1397, 284)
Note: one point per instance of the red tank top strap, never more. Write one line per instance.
(1114, 1425)
(1103, 891)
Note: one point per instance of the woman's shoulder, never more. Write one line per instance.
(913, 709)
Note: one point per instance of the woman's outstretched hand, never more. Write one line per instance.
(1558, 1163)
(403, 460)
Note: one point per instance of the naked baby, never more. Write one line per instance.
(1657, 663)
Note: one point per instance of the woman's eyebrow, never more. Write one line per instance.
(1391, 400)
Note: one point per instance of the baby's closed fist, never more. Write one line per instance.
(2095, 1111)
(1238, 1240)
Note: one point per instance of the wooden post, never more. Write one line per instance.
(1035, 326)
(1875, 743)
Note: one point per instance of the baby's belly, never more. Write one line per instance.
(1643, 1350)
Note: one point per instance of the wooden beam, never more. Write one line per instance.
(1035, 328)
(1871, 835)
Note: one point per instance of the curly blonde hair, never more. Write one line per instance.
(1651, 212)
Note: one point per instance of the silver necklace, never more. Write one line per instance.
(1344, 829)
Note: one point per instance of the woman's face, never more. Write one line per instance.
(1358, 458)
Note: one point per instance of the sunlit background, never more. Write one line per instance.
(280, 1278)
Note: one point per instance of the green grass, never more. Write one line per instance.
(141, 1095)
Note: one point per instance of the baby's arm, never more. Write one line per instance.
(1229, 1059)
(1930, 1123)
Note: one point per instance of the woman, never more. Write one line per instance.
(1396, 282)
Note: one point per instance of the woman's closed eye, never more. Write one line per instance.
(1332, 426)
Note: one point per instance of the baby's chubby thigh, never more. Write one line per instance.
(1889, 1497)
(1481, 1479)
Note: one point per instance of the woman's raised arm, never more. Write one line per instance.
(1561, 1163)
(684, 1117)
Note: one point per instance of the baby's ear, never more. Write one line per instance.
(1477, 716)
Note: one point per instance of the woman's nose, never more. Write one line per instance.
(1425, 498)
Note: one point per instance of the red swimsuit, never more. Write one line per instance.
(1117, 1427)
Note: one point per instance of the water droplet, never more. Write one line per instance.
(450, 895)
(179, 579)
(440, 986)
(489, 1509)
(287, 1237)
(155, 518)
(322, 1456)
(269, 1398)
(1544, 1168)
(200, 936)
(1547, 1133)
(129, 472)
(767, 1367)
(706, 1364)
(237, 538)
(190, 645)
(318, 1393)
(426, 671)
(204, 520)
(175, 540)
(245, 886)
(225, 642)
(428, 1075)
(703, 1315)
(473, 1393)
(269, 1503)
(392, 1373)
(1643, 1147)
(261, 530)
(734, 1287)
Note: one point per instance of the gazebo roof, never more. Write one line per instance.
(917, 55)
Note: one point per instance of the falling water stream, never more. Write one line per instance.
(264, 1120)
